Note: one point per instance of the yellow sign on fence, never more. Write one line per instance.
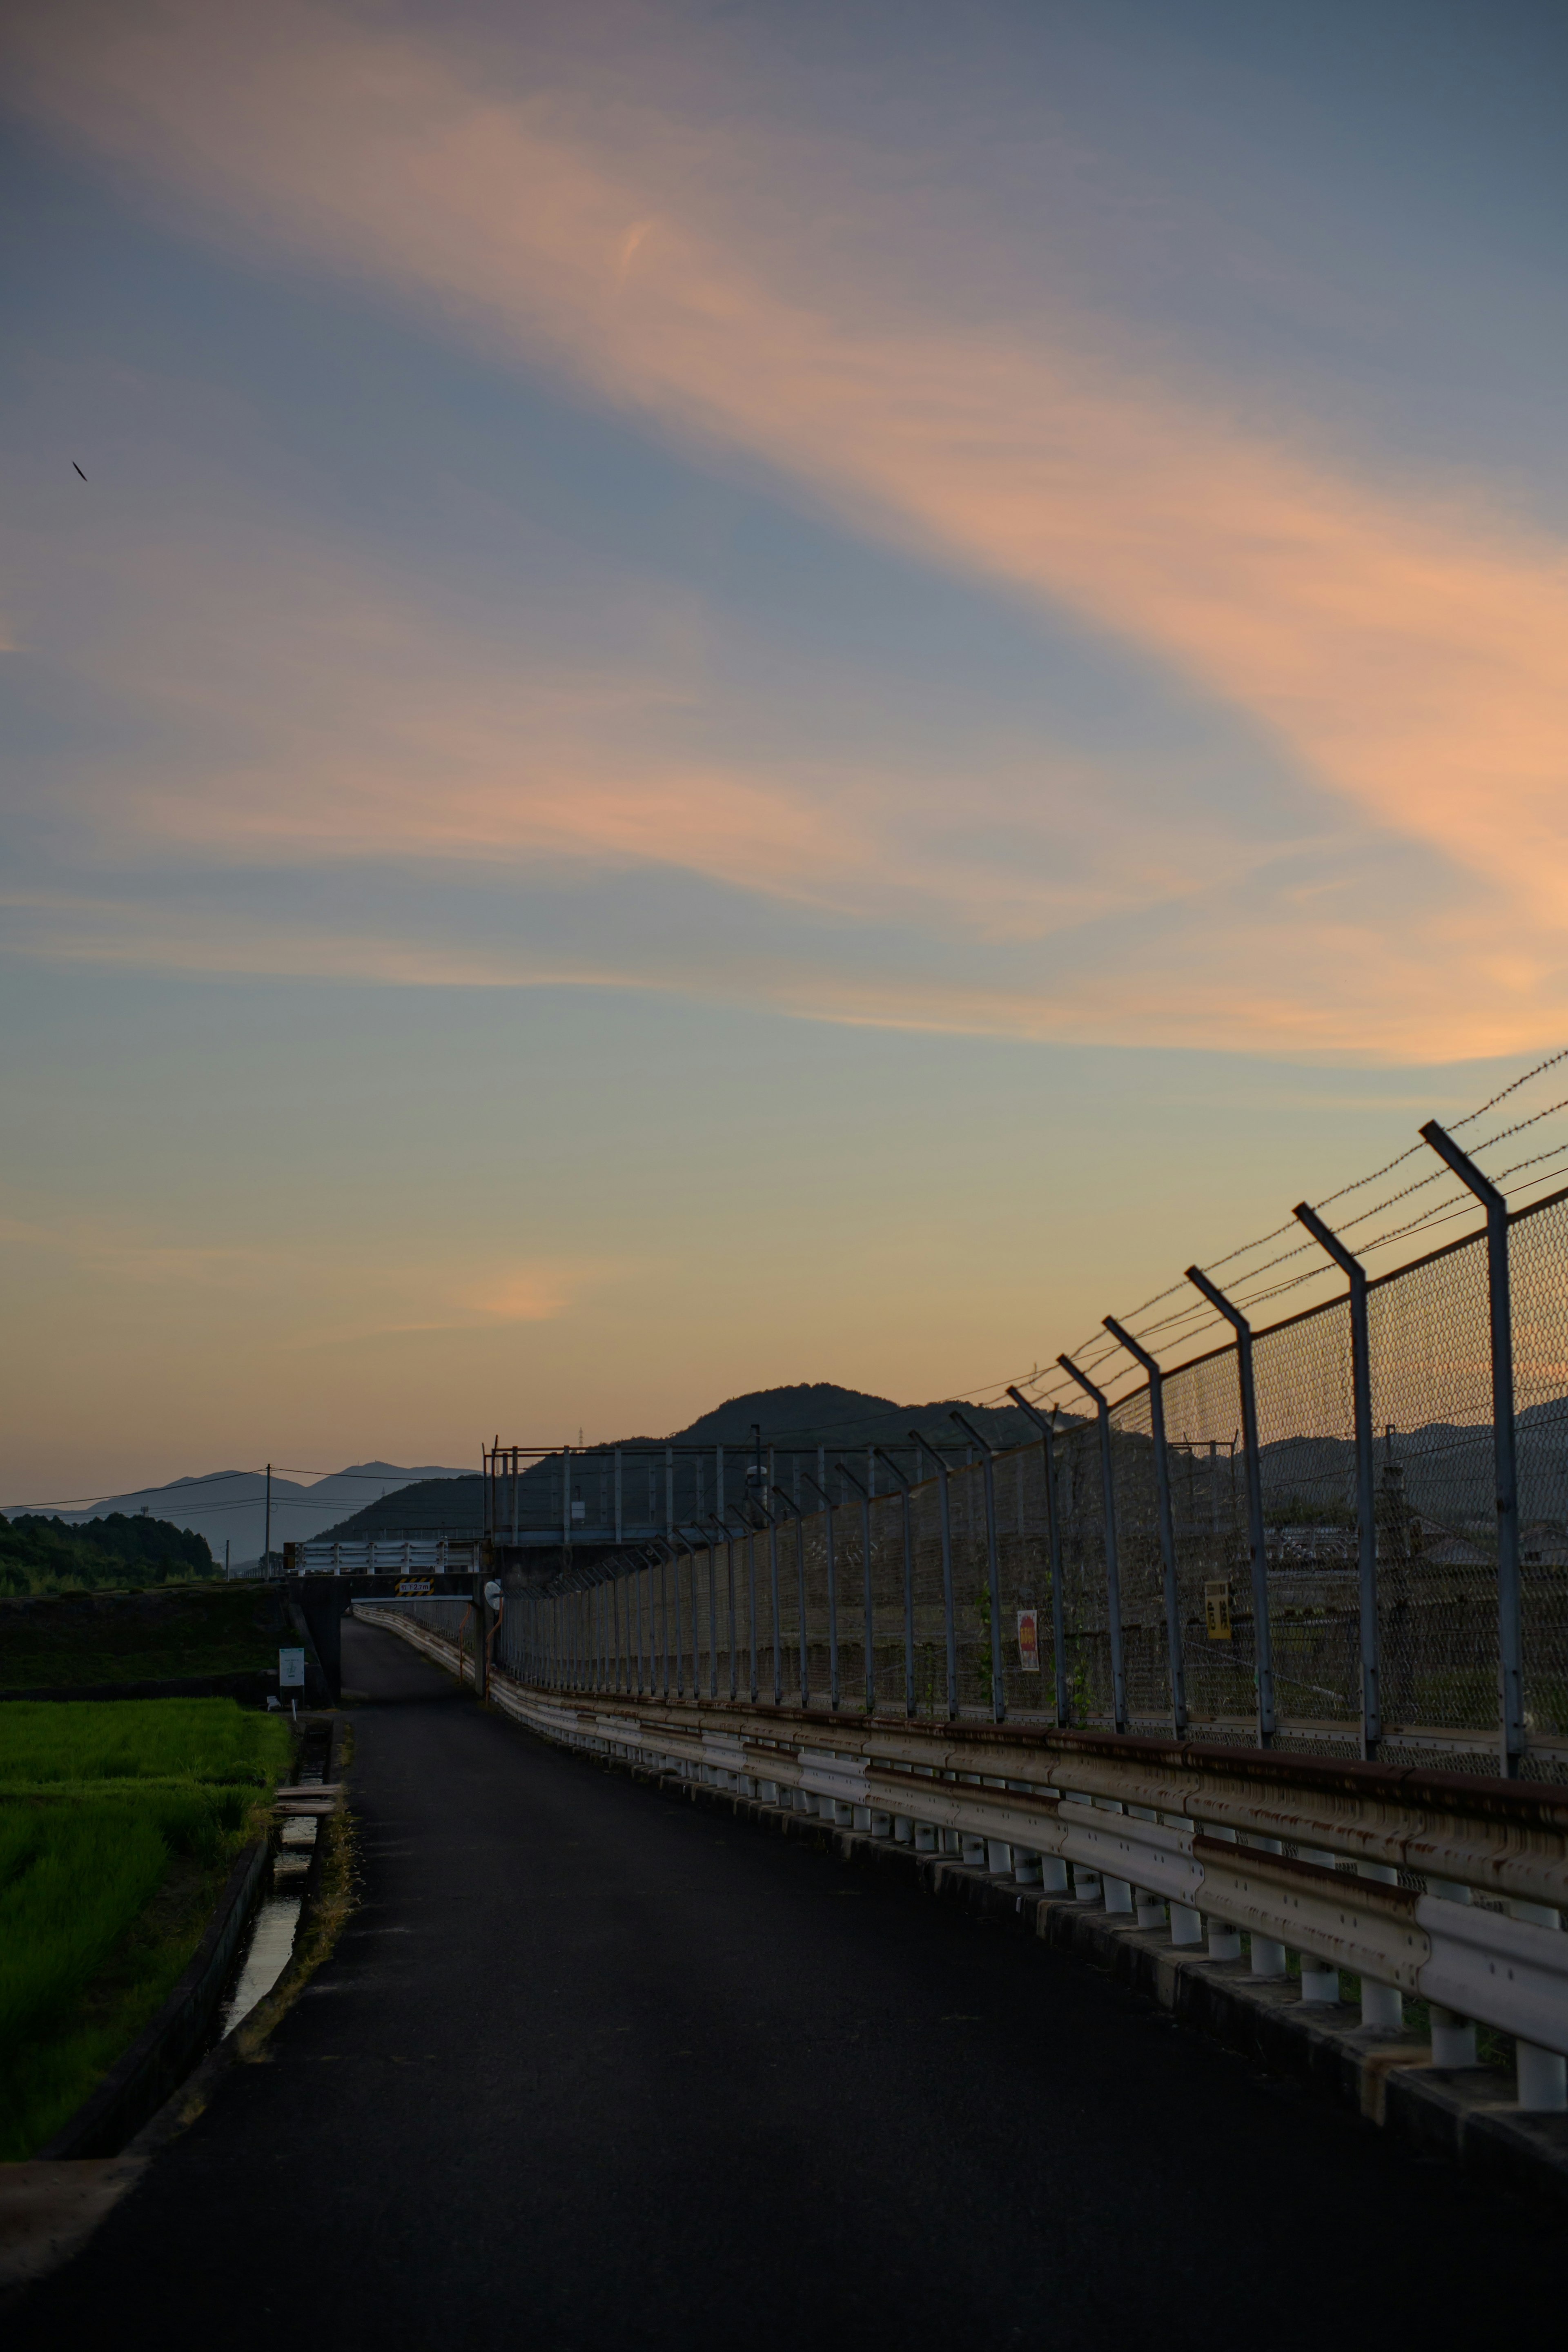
(1217, 1612)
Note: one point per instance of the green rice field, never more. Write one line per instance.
(119, 1822)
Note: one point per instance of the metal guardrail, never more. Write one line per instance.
(384, 1556)
(1437, 1885)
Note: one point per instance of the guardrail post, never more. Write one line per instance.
(1047, 1428)
(1113, 1565)
(992, 1562)
(1262, 1642)
(1511, 1647)
(833, 1693)
(1365, 1478)
(948, 1619)
(1174, 1649)
(844, 1471)
(909, 1583)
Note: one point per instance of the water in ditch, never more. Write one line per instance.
(269, 1945)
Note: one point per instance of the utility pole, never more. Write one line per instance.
(267, 1542)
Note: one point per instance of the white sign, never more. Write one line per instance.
(291, 1669)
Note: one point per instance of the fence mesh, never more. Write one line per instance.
(860, 1605)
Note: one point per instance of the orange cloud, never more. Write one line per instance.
(1405, 651)
(1409, 652)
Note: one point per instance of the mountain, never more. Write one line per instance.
(230, 1505)
(794, 1421)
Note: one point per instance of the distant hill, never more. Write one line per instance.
(46, 1555)
(229, 1507)
(795, 1419)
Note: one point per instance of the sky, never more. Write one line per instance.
(745, 693)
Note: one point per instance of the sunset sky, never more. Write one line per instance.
(747, 693)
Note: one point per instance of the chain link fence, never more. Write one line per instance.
(807, 1610)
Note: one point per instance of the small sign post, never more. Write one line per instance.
(291, 1669)
(1029, 1641)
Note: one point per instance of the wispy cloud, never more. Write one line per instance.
(1404, 651)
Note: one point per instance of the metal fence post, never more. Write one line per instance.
(1510, 1643)
(751, 1601)
(834, 1692)
(844, 1471)
(713, 1617)
(992, 1562)
(909, 1582)
(1365, 1475)
(1112, 1563)
(1263, 1646)
(1046, 1427)
(790, 1504)
(1167, 1523)
(946, 1520)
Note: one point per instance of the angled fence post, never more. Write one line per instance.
(909, 1583)
(1262, 1639)
(992, 1562)
(1054, 1544)
(1365, 1474)
(1112, 1563)
(949, 1620)
(1167, 1522)
(834, 1692)
(790, 1504)
(844, 1471)
(1510, 1643)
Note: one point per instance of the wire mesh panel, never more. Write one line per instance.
(1436, 1496)
(1306, 1427)
(1538, 1251)
(1208, 1509)
(1145, 1645)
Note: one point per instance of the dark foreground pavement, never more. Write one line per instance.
(592, 2068)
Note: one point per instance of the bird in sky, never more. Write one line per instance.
(78, 470)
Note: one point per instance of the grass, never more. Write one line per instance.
(73, 1741)
(163, 1635)
(119, 1822)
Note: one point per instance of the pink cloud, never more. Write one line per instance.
(1407, 651)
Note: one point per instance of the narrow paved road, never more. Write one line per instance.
(597, 2070)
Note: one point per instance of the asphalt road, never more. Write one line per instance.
(592, 2068)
